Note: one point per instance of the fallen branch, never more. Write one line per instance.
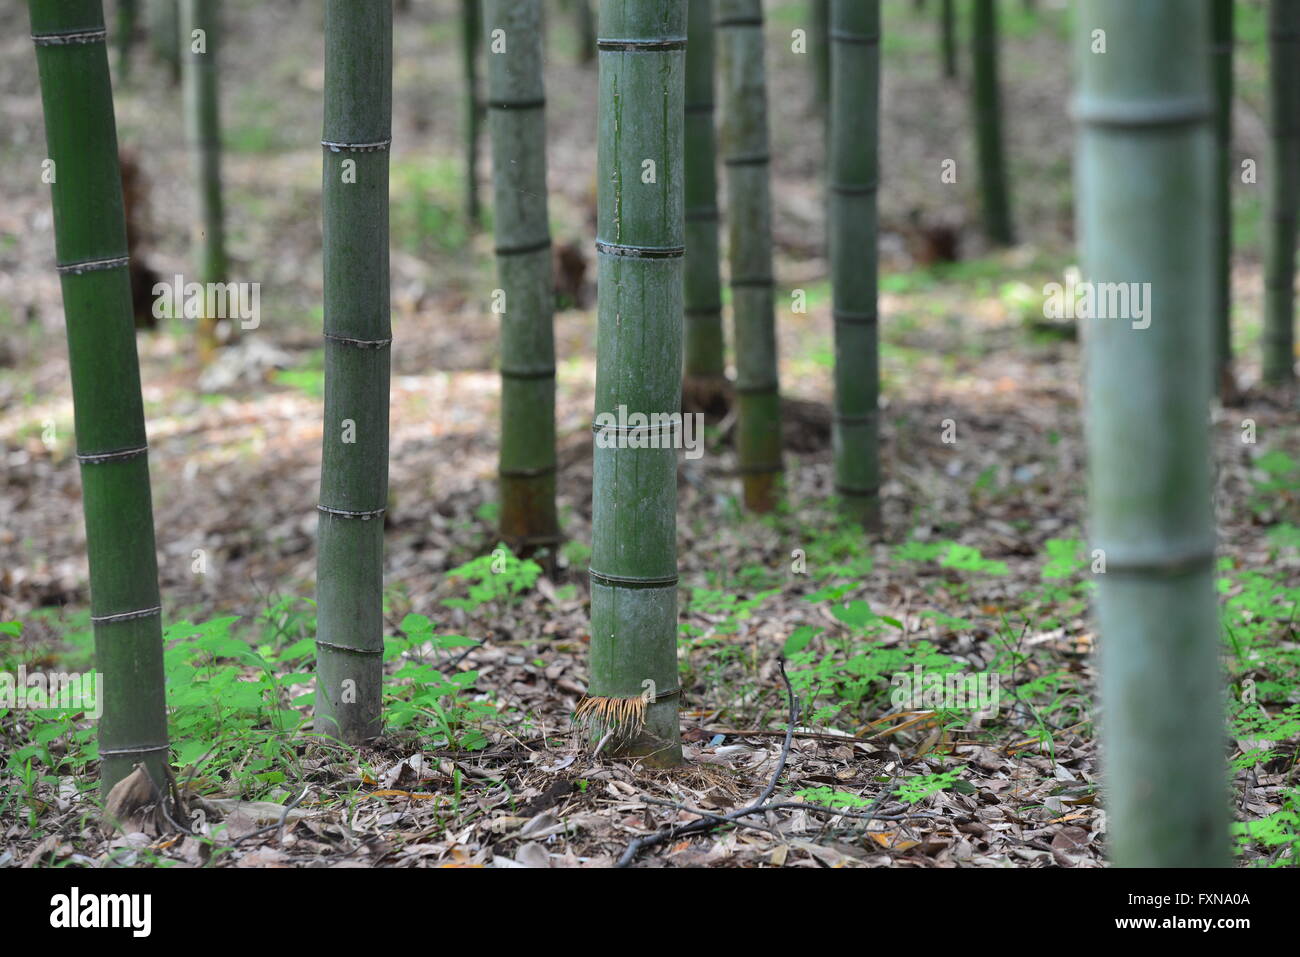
(708, 820)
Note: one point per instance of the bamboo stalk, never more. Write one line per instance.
(1283, 177)
(90, 244)
(749, 211)
(819, 52)
(584, 22)
(164, 34)
(470, 33)
(640, 246)
(127, 14)
(200, 36)
(517, 120)
(1221, 60)
(1144, 208)
(855, 101)
(987, 107)
(948, 38)
(358, 336)
(705, 339)
(587, 31)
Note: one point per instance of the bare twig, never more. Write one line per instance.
(279, 825)
(709, 821)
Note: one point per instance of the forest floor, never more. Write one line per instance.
(981, 568)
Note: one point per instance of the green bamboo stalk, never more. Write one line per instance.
(470, 32)
(705, 340)
(819, 52)
(1283, 191)
(127, 13)
(165, 33)
(1221, 60)
(585, 22)
(517, 121)
(358, 336)
(749, 210)
(640, 246)
(854, 165)
(948, 38)
(203, 131)
(987, 109)
(1145, 165)
(90, 245)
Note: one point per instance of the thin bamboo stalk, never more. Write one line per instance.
(749, 212)
(127, 14)
(819, 52)
(358, 337)
(987, 106)
(200, 36)
(470, 33)
(705, 339)
(90, 244)
(1145, 168)
(1221, 60)
(1283, 177)
(517, 120)
(165, 33)
(948, 38)
(855, 171)
(640, 246)
(585, 22)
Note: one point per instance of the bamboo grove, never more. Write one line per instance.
(669, 120)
